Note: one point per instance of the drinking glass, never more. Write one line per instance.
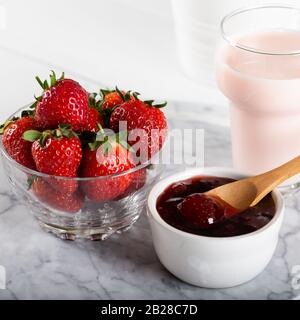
(197, 28)
(258, 70)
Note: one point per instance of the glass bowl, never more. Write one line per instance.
(93, 220)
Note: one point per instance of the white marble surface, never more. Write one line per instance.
(40, 266)
(125, 266)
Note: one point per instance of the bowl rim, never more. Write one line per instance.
(45, 175)
(160, 186)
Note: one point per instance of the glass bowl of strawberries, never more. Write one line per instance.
(84, 162)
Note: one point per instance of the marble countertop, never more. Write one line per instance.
(41, 266)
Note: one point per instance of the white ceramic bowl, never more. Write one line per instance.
(208, 261)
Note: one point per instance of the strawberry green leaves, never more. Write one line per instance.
(127, 95)
(95, 101)
(104, 139)
(53, 81)
(63, 130)
(27, 113)
(45, 85)
(34, 135)
(158, 106)
(31, 135)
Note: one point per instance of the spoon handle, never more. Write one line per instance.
(268, 181)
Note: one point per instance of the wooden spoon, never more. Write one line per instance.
(246, 193)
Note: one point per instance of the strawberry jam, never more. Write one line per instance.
(184, 206)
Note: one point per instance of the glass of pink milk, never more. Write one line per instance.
(258, 70)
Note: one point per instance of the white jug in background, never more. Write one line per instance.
(197, 31)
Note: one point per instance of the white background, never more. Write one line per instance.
(126, 42)
(130, 43)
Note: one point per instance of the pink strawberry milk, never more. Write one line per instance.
(259, 72)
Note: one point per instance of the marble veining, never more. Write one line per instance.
(41, 266)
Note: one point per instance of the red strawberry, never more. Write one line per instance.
(57, 153)
(93, 121)
(111, 100)
(200, 210)
(142, 115)
(55, 199)
(62, 102)
(115, 97)
(105, 160)
(16, 147)
(107, 100)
